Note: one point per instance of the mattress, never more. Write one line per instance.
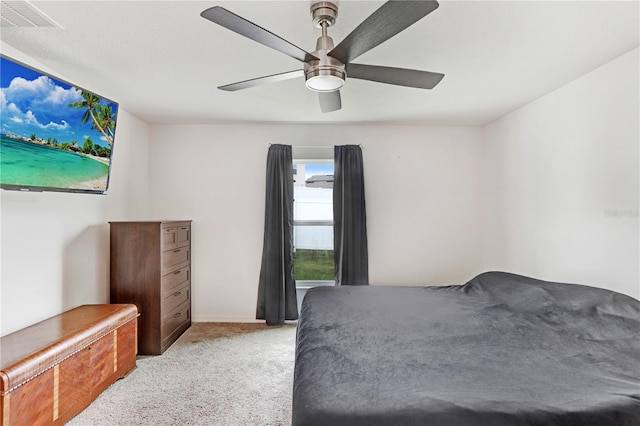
(502, 349)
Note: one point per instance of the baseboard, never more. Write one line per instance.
(216, 318)
(235, 319)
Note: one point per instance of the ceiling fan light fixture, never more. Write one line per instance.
(324, 83)
(324, 79)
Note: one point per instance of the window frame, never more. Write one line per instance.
(307, 284)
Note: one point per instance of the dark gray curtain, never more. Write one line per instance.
(349, 217)
(277, 300)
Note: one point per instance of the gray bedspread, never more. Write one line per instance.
(501, 349)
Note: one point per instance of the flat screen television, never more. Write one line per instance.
(54, 136)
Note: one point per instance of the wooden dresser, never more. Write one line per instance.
(151, 268)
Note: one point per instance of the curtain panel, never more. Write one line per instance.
(277, 299)
(350, 251)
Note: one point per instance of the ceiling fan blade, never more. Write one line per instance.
(330, 101)
(391, 18)
(274, 78)
(397, 76)
(233, 22)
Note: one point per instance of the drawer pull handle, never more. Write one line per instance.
(177, 251)
(177, 315)
(177, 293)
(183, 229)
(177, 272)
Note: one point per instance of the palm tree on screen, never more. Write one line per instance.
(88, 145)
(91, 104)
(106, 120)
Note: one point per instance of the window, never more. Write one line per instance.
(313, 223)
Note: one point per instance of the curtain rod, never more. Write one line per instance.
(316, 146)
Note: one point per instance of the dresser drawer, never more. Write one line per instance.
(175, 279)
(175, 321)
(175, 298)
(183, 236)
(169, 238)
(176, 258)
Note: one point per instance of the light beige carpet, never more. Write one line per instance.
(215, 374)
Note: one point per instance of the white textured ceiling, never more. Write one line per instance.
(162, 62)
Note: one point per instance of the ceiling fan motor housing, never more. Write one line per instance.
(324, 11)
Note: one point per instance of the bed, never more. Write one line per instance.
(502, 349)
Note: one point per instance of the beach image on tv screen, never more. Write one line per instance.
(53, 135)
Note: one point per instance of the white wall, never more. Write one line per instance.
(562, 183)
(215, 175)
(55, 246)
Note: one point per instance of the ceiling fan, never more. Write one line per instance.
(326, 69)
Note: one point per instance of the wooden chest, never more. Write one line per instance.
(52, 370)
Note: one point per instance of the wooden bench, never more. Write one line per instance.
(52, 370)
